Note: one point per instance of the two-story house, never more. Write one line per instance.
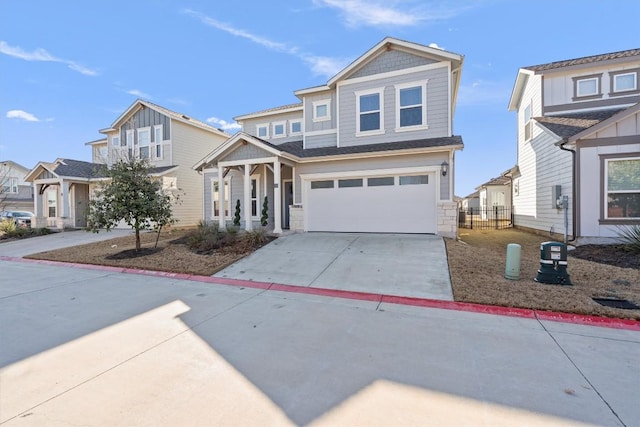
(372, 150)
(171, 142)
(578, 136)
(15, 193)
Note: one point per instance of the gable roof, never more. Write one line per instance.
(584, 60)
(79, 169)
(13, 165)
(183, 118)
(568, 125)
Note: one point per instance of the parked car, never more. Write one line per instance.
(21, 218)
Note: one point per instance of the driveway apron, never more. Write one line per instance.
(411, 265)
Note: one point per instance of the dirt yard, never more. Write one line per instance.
(477, 265)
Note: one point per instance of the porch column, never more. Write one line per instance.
(37, 205)
(277, 198)
(64, 188)
(221, 200)
(248, 224)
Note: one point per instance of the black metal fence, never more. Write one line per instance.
(490, 218)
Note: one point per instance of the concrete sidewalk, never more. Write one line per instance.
(57, 240)
(96, 347)
(410, 265)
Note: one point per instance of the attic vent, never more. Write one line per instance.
(186, 117)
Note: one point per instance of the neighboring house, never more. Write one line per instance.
(171, 141)
(472, 201)
(579, 137)
(370, 151)
(15, 193)
(495, 197)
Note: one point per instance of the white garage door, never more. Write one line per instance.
(383, 204)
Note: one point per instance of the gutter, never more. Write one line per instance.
(573, 189)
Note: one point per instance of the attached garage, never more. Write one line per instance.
(383, 203)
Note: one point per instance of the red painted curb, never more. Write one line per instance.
(606, 322)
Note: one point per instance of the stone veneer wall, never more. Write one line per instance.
(448, 219)
(296, 218)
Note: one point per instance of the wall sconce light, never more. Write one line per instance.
(444, 168)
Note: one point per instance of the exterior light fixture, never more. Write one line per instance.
(444, 168)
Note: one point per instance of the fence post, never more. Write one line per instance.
(471, 210)
(496, 216)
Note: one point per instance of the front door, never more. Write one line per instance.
(288, 200)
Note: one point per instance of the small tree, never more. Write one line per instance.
(265, 212)
(129, 194)
(236, 217)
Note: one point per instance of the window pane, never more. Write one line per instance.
(623, 175)
(253, 189)
(346, 183)
(254, 208)
(625, 82)
(296, 127)
(144, 152)
(369, 121)
(144, 137)
(159, 151)
(587, 87)
(411, 116)
(321, 110)
(157, 134)
(414, 179)
(411, 96)
(527, 113)
(370, 102)
(262, 131)
(379, 182)
(321, 184)
(623, 205)
(278, 129)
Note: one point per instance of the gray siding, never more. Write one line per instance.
(250, 126)
(437, 108)
(310, 125)
(329, 140)
(391, 61)
(391, 162)
(248, 151)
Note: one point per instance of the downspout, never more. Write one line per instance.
(573, 189)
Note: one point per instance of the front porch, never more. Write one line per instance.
(61, 204)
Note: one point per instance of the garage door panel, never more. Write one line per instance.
(385, 208)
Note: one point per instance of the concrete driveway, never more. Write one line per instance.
(408, 265)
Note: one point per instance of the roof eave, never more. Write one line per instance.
(385, 153)
(518, 87)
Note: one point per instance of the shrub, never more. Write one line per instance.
(236, 217)
(630, 237)
(8, 226)
(255, 238)
(265, 212)
(207, 237)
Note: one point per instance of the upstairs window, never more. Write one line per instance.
(262, 131)
(279, 130)
(10, 185)
(321, 110)
(158, 137)
(369, 112)
(411, 109)
(115, 141)
(624, 82)
(527, 123)
(623, 188)
(587, 87)
(144, 142)
(295, 127)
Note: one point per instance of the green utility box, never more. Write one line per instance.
(553, 264)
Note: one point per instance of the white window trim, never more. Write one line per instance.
(139, 146)
(284, 129)
(291, 132)
(582, 95)
(635, 81)
(11, 185)
(262, 125)
(423, 126)
(316, 104)
(155, 143)
(227, 181)
(358, 94)
(606, 188)
(257, 199)
(115, 141)
(130, 138)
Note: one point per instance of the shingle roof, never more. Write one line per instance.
(584, 60)
(296, 149)
(568, 125)
(272, 110)
(79, 169)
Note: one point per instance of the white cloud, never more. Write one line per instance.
(44, 56)
(223, 124)
(435, 46)
(139, 94)
(320, 65)
(22, 115)
(386, 13)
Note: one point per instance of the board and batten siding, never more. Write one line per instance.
(189, 145)
(250, 126)
(387, 162)
(437, 104)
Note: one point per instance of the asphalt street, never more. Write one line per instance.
(91, 347)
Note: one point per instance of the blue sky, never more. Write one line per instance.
(68, 68)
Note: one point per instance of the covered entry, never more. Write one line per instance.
(388, 202)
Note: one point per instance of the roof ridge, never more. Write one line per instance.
(584, 60)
